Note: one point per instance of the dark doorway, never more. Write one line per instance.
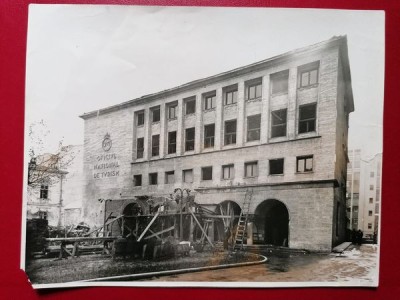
(272, 223)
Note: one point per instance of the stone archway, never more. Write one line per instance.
(272, 223)
(229, 212)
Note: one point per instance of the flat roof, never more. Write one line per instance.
(340, 41)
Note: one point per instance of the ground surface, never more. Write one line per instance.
(357, 266)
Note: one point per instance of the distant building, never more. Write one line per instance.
(55, 189)
(364, 192)
(278, 127)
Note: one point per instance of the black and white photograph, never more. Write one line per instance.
(202, 146)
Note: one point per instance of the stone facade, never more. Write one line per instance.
(294, 154)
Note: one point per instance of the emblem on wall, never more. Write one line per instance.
(107, 143)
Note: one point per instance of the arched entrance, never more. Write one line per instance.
(229, 212)
(272, 223)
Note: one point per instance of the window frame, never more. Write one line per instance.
(138, 114)
(156, 178)
(276, 160)
(278, 76)
(139, 151)
(153, 146)
(184, 175)
(230, 137)
(231, 170)
(191, 141)
(135, 180)
(308, 120)
(304, 158)
(254, 84)
(171, 144)
(213, 101)
(257, 130)
(187, 101)
(253, 164)
(230, 90)
(44, 191)
(172, 107)
(209, 141)
(154, 109)
(308, 69)
(166, 177)
(276, 127)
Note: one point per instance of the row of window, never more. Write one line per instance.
(308, 76)
(306, 123)
(276, 167)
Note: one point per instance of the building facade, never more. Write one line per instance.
(278, 127)
(365, 196)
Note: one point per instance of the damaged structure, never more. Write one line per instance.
(276, 129)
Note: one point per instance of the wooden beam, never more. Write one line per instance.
(155, 234)
(201, 228)
(148, 226)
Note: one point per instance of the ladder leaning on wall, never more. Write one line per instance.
(242, 223)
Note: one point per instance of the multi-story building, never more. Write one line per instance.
(278, 127)
(364, 192)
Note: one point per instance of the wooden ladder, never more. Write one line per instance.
(242, 223)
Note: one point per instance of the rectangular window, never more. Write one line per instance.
(188, 176)
(307, 118)
(155, 114)
(43, 215)
(189, 139)
(369, 225)
(253, 128)
(140, 118)
(279, 82)
(139, 147)
(304, 164)
(172, 111)
(209, 132)
(230, 95)
(153, 179)
(44, 191)
(190, 105)
(276, 166)
(169, 177)
(137, 180)
(355, 209)
(251, 169)
(278, 123)
(228, 171)
(308, 77)
(209, 101)
(371, 200)
(371, 187)
(206, 173)
(230, 132)
(253, 90)
(172, 142)
(155, 145)
(370, 213)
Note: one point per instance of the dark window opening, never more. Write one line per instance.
(209, 132)
(189, 139)
(139, 147)
(155, 145)
(253, 128)
(140, 118)
(230, 95)
(172, 142)
(137, 180)
(307, 118)
(190, 106)
(44, 191)
(230, 132)
(276, 166)
(304, 164)
(253, 91)
(153, 179)
(206, 173)
(155, 113)
(278, 123)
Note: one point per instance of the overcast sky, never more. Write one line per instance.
(82, 58)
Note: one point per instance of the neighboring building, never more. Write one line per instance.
(278, 127)
(56, 190)
(365, 177)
